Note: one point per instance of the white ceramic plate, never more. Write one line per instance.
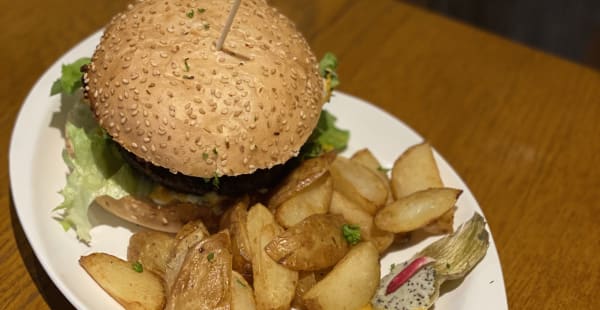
(37, 173)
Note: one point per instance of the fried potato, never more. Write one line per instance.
(314, 199)
(313, 244)
(131, 289)
(351, 283)
(274, 285)
(242, 295)
(443, 224)
(235, 220)
(204, 280)
(359, 184)
(415, 170)
(191, 233)
(366, 158)
(193, 230)
(309, 171)
(306, 280)
(354, 214)
(416, 210)
(258, 217)
(152, 249)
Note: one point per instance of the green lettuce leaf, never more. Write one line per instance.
(328, 69)
(96, 169)
(326, 137)
(70, 80)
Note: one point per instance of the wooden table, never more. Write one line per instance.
(521, 127)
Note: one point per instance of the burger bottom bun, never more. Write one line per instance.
(166, 218)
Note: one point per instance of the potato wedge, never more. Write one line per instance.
(366, 158)
(235, 220)
(314, 199)
(242, 294)
(274, 285)
(306, 280)
(192, 230)
(258, 217)
(309, 171)
(443, 224)
(191, 233)
(415, 170)
(152, 249)
(313, 244)
(351, 283)
(354, 214)
(131, 289)
(359, 184)
(416, 210)
(204, 280)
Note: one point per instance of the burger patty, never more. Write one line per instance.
(224, 185)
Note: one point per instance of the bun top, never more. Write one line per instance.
(160, 88)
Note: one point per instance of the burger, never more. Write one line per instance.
(172, 128)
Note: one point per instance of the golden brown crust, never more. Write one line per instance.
(159, 87)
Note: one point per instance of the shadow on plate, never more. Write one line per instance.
(51, 294)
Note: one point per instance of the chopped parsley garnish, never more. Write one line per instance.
(205, 156)
(206, 26)
(137, 267)
(240, 282)
(187, 66)
(215, 151)
(210, 256)
(190, 14)
(392, 266)
(188, 77)
(325, 137)
(383, 169)
(201, 10)
(351, 233)
(70, 80)
(215, 181)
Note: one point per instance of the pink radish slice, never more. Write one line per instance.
(407, 273)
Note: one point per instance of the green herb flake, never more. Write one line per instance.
(205, 156)
(206, 26)
(137, 267)
(215, 180)
(201, 10)
(210, 256)
(392, 266)
(70, 80)
(188, 77)
(351, 233)
(383, 169)
(215, 151)
(240, 283)
(187, 66)
(190, 14)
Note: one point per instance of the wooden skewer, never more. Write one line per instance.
(225, 31)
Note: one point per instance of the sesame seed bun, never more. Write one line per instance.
(169, 217)
(160, 88)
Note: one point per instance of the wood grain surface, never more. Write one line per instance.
(522, 128)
